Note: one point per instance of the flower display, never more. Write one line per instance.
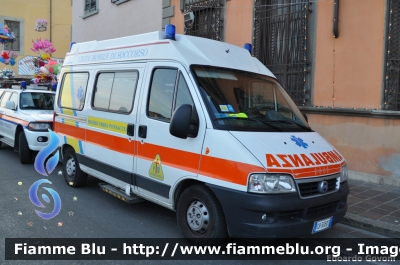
(44, 46)
(8, 57)
(6, 36)
(6, 74)
(41, 25)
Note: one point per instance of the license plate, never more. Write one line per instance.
(322, 225)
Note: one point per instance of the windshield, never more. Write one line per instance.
(243, 101)
(37, 100)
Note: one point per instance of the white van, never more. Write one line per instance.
(200, 127)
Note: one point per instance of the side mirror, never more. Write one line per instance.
(180, 121)
(10, 105)
(305, 116)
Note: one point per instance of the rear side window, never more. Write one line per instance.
(4, 99)
(115, 91)
(73, 90)
(14, 98)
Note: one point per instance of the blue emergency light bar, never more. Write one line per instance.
(71, 44)
(170, 32)
(248, 47)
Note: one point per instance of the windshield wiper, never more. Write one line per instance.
(234, 117)
(293, 122)
(249, 119)
(29, 107)
(270, 125)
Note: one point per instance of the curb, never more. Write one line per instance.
(389, 181)
(371, 225)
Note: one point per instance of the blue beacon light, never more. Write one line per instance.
(248, 47)
(71, 44)
(170, 32)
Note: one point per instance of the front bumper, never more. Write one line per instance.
(287, 215)
(32, 138)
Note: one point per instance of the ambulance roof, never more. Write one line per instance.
(154, 46)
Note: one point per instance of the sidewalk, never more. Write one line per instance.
(374, 207)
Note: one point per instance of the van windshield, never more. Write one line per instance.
(37, 100)
(243, 101)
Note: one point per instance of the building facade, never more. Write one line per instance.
(338, 59)
(108, 19)
(21, 16)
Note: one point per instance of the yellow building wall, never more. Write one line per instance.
(352, 62)
(30, 11)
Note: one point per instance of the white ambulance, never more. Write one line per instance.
(200, 127)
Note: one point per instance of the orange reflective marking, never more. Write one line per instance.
(112, 142)
(227, 170)
(285, 162)
(72, 131)
(8, 118)
(171, 157)
(308, 172)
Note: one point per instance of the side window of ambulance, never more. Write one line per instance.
(161, 94)
(4, 99)
(115, 91)
(183, 97)
(73, 90)
(183, 94)
(14, 97)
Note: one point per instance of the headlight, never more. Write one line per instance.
(271, 183)
(33, 126)
(343, 174)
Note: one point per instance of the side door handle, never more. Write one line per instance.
(142, 131)
(130, 130)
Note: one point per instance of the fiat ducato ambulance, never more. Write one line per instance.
(200, 127)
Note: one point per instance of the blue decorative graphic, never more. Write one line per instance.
(299, 141)
(79, 93)
(51, 151)
(35, 200)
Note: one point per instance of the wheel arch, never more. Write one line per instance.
(64, 148)
(180, 187)
(18, 130)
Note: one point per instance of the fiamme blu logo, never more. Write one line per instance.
(45, 162)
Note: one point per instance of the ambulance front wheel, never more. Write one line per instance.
(200, 215)
(73, 175)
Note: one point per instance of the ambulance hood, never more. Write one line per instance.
(39, 115)
(302, 154)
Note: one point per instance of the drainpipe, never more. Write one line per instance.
(51, 22)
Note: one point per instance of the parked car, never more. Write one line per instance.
(25, 117)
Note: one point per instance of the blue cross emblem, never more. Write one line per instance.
(299, 141)
(79, 94)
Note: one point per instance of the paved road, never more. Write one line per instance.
(95, 215)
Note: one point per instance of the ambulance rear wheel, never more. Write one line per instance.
(200, 215)
(25, 154)
(73, 175)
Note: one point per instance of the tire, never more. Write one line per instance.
(200, 215)
(73, 175)
(25, 154)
